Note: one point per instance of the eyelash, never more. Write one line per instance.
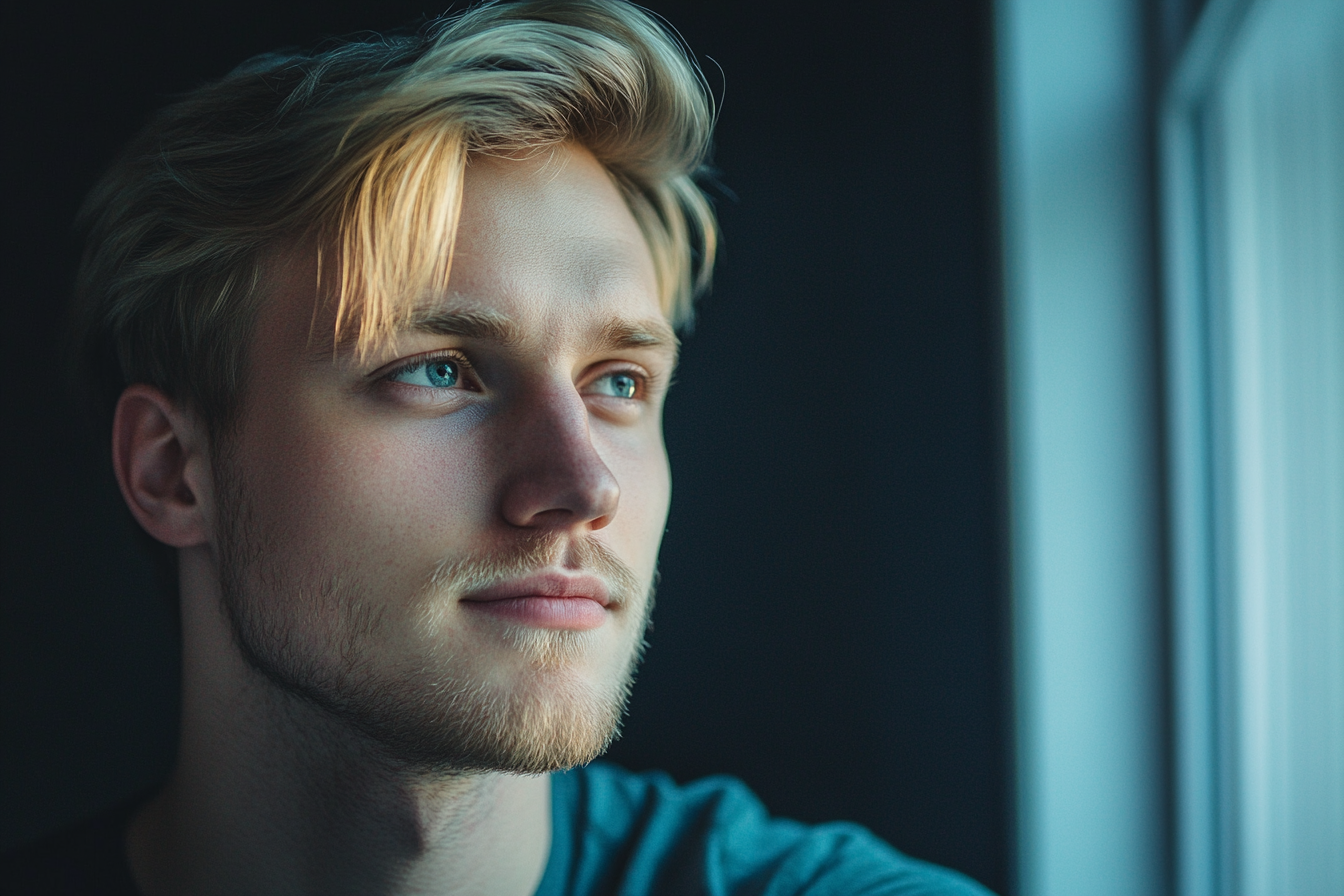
(647, 382)
(453, 355)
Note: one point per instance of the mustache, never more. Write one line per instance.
(463, 575)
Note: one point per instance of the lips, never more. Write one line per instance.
(549, 600)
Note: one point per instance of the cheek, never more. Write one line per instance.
(641, 469)
(377, 500)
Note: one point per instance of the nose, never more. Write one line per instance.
(554, 476)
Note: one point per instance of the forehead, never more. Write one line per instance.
(549, 234)
(545, 243)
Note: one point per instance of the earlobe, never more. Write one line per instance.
(159, 455)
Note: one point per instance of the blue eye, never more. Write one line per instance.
(436, 373)
(441, 373)
(619, 385)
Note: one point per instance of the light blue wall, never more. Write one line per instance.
(1082, 352)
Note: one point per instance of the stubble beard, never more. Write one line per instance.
(310, 637)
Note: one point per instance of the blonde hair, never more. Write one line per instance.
(363, 146)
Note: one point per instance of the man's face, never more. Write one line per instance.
(450, 543)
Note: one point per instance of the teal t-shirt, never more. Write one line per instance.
(614, 833)
(617, 833)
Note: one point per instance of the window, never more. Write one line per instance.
(1253, 192)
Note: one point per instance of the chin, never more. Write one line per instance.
(550, 717)
(536, 700)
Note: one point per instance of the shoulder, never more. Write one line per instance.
(644, 834)
(81, 860)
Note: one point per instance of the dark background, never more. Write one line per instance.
(832, 621)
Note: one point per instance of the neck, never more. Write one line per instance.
(272, 794)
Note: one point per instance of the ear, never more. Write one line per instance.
(161, 458)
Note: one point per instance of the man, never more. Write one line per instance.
(385, 332)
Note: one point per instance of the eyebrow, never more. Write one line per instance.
(651, 333)
(617, 333)
(489, 325)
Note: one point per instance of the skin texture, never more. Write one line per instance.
(354, 718)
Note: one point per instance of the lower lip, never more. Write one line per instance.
(572, 613)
